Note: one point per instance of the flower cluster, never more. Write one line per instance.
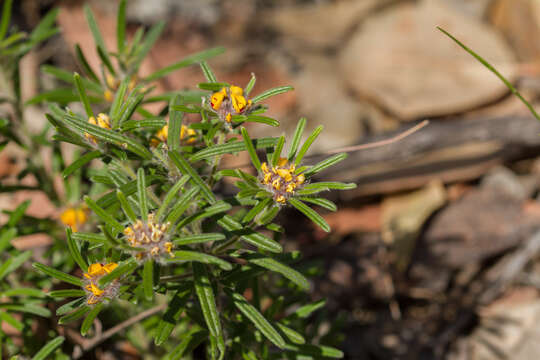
(187, 136)
(103, 121)
(281, 180)
(229, 101)
(94, 294)
(151, 237)
(74, 217)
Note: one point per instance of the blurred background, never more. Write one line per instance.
(436, 254)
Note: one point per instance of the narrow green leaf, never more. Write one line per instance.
(66, 293)
(319, 351)
(212, 86)
(151, 124)
(119, 104)
(27, 308)
(310, 213)
(84, 63)
(186, 255)
(89, 237)
(68, 77)
(305, 147)
(103, 215)
(303, 312)
(23, 292)
(6, 17)
(257, 239)
(47, 350)
(90, 19)
(205, 294)
(82, 95)
(70, 306)
(171, 317)
(186, 169)
(274, 265)
(6, 317)
(256, 210)
(175, 124)
(141, 191)
(109, 136)
(126, 207)
(257, 319)
(47, 270)
(124, 268)
(121, 27)
(327, 204)
(131, 105)
(14, 263)
(292, 335)
(231, 147)
(199, 238)
(250, 85)
(271, 92)
(89, 320)
(334, 185)
(208, 73)
(494, 71)
(296, 138)
(182, 204)
(326, 163)
(251, 149)
(76, 315)
(261, 119)
(190, 60)
(75, 251)
(169, 197)
(277, 150)
(189, 342)
(148, 279)
(149, 40)
(17, 214)
(80, 162)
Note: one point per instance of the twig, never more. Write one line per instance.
(88, 344)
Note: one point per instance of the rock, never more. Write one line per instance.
(518, 19)
(509, 328)
(404, 216)
(321, 25)
(418, 71)
(503, 180)
(323, 100)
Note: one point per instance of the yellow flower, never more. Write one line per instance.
(95, 272)
(187, 135)
(281, 180)
(229, 101)
(108, 95)
(74, 217)
(103, 121)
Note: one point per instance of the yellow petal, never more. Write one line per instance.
(282, 162)
(239, 102)
(110, 267)
(236, 90)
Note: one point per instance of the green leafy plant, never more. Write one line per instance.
(153, 247)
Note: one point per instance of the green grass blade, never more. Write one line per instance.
(94, 28)
(121, 27)
(6, 17)
(494, 71)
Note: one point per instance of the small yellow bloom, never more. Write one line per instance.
(217, 99)
(281, 199)
(74, 217)
(281, 180)
(111, 81)
(103, 121)
(228, 117)
(187, 135)
(108, 95)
